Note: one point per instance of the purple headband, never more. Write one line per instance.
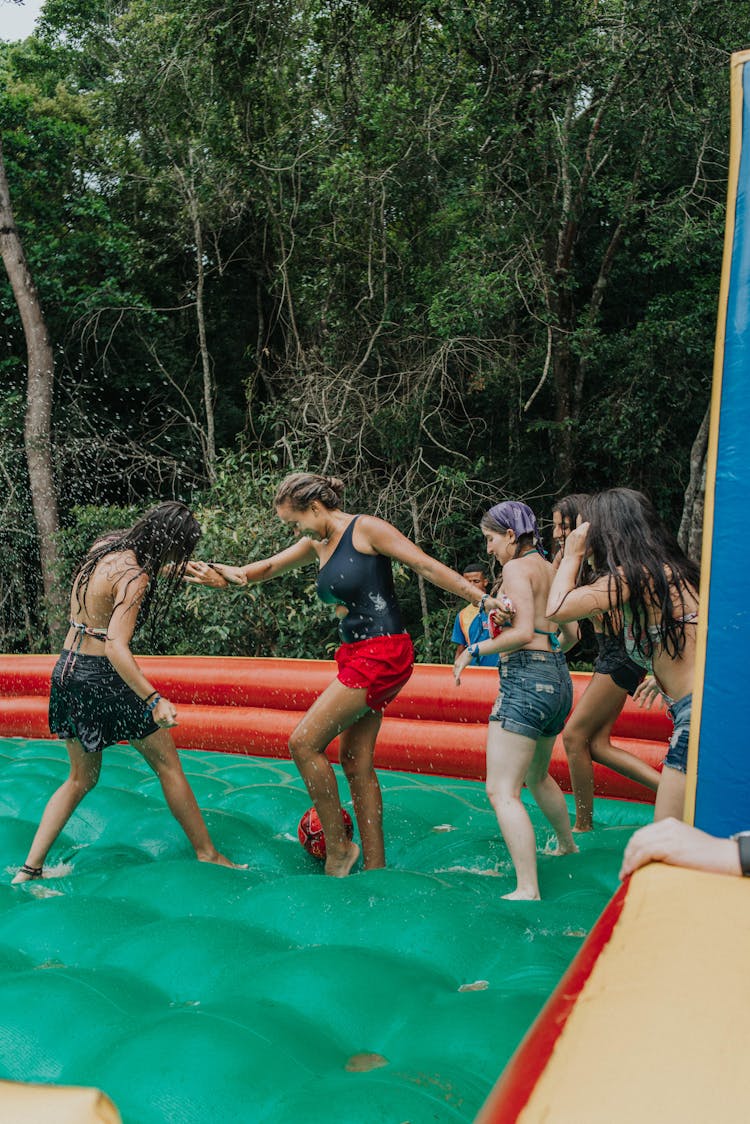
(516, 517)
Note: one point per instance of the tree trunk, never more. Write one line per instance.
(421, 585)
(690, 535)
(208, 382)
(37, 426)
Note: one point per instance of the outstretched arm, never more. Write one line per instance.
(219, 576)
(386, 539)
(516, 634)
(679, 844)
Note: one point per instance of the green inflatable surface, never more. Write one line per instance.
(193, 994)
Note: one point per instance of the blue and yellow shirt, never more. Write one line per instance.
(469, 628)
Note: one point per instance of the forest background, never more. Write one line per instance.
(453, 253)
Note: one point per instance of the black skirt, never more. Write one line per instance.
(614, 661)
(89, 701)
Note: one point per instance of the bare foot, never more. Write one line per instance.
(562, 849)
(221, 860)
(338, 866)
(27, 873)
(583, 827)
(520, 895)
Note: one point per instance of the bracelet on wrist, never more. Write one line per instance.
(473, 649)
(482, 602)
(150, 696)
(743, 844)
(151, 706)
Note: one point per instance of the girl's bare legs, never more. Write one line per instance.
(338, 708)
(357, 754)
(627, 764)
(670, 795)
(511, 759)
(160, 753)
(549, 797)
(508, 759)
(586, 739)
(595, 715)
(84, 773)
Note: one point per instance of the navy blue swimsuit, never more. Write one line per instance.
(364, 584)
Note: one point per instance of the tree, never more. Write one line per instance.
(41, 377)
(452, 253)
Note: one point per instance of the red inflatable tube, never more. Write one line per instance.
(448, 749)
(429, 695)
(251, 706)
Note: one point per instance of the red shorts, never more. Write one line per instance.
(382, 664)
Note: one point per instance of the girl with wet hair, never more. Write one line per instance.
(376, 656)
(99, 695)
(647, 589)
(565, 514)
(586, 736)
(535, 693)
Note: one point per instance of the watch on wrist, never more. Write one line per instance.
(743, 843)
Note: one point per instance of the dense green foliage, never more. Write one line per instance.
(450, 252)
(282, 618)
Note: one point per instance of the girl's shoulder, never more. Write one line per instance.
(531, 561)
(372, 524)
(530, 569)
(121, 567)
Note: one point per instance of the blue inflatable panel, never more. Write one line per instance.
(720, 744)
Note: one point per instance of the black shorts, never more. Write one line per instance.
(92, 703)
(615, 662)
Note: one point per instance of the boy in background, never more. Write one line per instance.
(471, 625)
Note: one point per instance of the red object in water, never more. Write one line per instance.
(311, 835)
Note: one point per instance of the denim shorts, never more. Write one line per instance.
(679, 712)
(536, 694)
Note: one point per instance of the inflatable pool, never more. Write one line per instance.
(191, 993)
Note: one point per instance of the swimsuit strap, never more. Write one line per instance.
(553, 637)
(87, 630)
(80, 630)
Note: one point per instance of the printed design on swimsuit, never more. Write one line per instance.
(363, 583)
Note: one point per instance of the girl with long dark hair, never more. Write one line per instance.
(647, 589)
(535, 693)
(587, 732)
(99, 695)
(565, 515)
(376, 656)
